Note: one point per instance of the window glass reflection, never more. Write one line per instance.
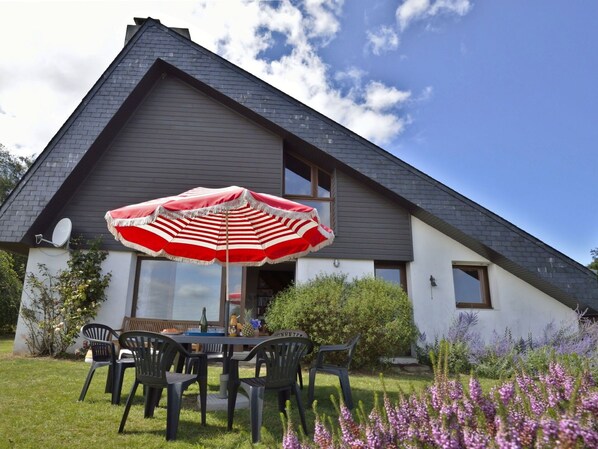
(297, 177)
(467, 285)
(323, 208)
(178, 291)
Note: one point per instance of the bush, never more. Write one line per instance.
(332, 310)
(10, 296)
(62, 303)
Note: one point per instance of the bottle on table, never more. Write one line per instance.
(203, 322)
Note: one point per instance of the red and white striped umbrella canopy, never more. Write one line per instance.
(203, 225)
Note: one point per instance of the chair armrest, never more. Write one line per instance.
(331, 348)
(243, 356)
(326, 349)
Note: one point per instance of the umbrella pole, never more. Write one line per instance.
(226, 299)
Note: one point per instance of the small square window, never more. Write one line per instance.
(471, 286)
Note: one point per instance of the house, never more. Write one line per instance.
(168, 115)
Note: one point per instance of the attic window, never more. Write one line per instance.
(471, 286)
(308, 184)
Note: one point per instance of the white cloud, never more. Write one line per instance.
(382, 40)
(413, 10)
(379, 97)
(301, 72)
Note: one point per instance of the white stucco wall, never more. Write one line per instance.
(308, 268)
(515, 304)
(119, 292)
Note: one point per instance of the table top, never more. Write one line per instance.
(219, 339)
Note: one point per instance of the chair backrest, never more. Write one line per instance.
(289, 333)
(351, 345)
(100, 338)
(154, 355)
(281, 355)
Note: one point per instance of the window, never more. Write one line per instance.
(392, 272)
(175, 290)
(309, 185)
(471, 286)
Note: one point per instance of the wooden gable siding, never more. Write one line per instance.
(367, 224)
(178, 139)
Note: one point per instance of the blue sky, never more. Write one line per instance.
(497, 100)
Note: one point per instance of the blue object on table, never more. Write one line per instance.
(198, 333)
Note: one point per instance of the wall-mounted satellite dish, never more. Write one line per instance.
(61, 234)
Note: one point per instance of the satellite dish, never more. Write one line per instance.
(61, 234)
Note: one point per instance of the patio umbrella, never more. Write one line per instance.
(229, 226)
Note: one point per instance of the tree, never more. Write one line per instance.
(12, 271)
(594, 264)
(12, 168)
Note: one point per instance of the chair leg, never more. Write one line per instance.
(109, 379)
(310, 391)
(203, 388)
(256, 409)
(173, 410)
(92, 370)
(283, 397)
(346, 389)
(232, 399)
(119, 374)
(300, 376)
(300, 408)
(128, 406)
(152, 399)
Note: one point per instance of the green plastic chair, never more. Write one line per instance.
(154, 355)
(341, 370)
(281, 355)
(103, 352)
(284, 333)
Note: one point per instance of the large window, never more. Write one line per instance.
(174, 290)
(309, 185)
(392, 272)
(471, 286)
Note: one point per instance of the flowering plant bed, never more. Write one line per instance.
(554, 410)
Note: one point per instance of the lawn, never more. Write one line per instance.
(39, 408)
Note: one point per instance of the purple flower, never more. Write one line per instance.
(322, 437)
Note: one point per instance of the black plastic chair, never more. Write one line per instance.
(281, 356)
(283, 333)
(103, 351)
(154, 356)
(340, 369)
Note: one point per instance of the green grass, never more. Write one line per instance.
(39, 408)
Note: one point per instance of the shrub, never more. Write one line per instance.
(10, 296)
(331, 310)
(62, 303)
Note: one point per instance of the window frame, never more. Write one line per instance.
(482, 270)
(314, 169)
(314, 174)
(401, 266)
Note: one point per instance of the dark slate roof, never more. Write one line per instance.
(434, 203)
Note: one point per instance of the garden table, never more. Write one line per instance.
(228, 343)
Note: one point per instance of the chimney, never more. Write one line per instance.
(132, 29)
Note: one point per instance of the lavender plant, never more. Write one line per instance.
(556, 410)
(574, 344)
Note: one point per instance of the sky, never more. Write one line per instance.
(498, 100)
